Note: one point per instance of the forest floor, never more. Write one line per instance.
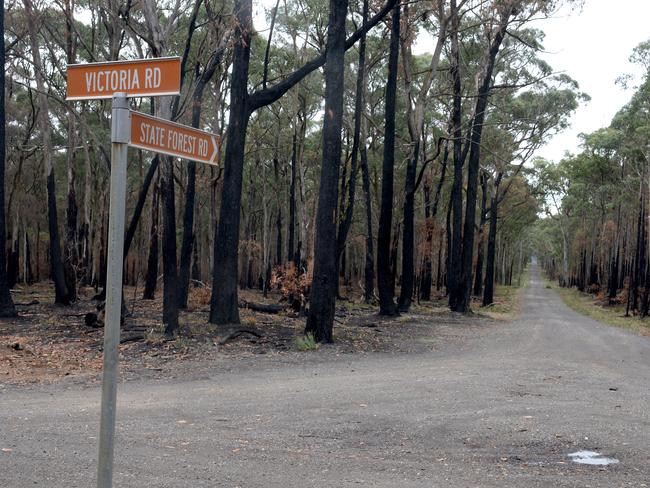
(47, 342)
(596, 307)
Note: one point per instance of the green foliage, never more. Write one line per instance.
(306, 343)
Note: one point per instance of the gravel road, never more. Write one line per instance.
(501, 409)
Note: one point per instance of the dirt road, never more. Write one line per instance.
(502, 409)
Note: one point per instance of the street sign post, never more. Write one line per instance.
(121, 80)
(134, 78)
(113, 308)
(181, 141)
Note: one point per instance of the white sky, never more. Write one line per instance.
(593, 46)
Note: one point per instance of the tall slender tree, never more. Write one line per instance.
(348, 212)
(61, 292)
(415, 110)
(324, 285)
(7, 308)
(385, 281)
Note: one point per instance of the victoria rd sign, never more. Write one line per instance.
(135, 78)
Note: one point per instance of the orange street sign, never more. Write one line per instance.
(181, 141)
(136, 78)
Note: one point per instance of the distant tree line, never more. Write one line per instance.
(596, 235)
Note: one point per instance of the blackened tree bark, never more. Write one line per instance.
(427, 271)
(170, 272)
(384, 275)
(224, 304)
(13, 261)
(346, 221)
(462, 292)
(151, 279)
(478, 277)
(488, 291)
(278, 219)
(415, 108)
(369, 267)
(440, 277)
(61, 293)
(455, 212)
(291, 256)
(408, 236)
(7, 308)
(322, 300)
(188, 232)
(612, 284)
(614, 264)
(187, 244)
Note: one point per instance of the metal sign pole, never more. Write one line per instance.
(120, 132)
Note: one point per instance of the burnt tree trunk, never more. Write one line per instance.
(346, 221)
(455, 218)
(369, 267)
(187, 243)
(478, 278)
(384, 275)
(291, 252)
(408, 236)
(151, 279)
(170, 273)
(322, 299)
(488, 291)
(463, 289)
(61, 292)
(427, 269)
(224, 302)
(7, 308)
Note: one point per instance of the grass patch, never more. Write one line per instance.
(307, 343)
(585, 304)
(249, 321)
(507, 300)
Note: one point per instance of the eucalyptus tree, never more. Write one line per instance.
(417, 99)
(62, 293)
(324, 284)
(498, 20)
(359, 102)
(385, 281)
(7, 308)
(522, 124)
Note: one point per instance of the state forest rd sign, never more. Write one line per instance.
(181, 141)
(135, 78)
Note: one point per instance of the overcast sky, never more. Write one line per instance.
(592, 45)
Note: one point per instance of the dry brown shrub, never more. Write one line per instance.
(289, 281)
(200, 296)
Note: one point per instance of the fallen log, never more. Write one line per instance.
(261, 307)
(238, 332)
(132, 338)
